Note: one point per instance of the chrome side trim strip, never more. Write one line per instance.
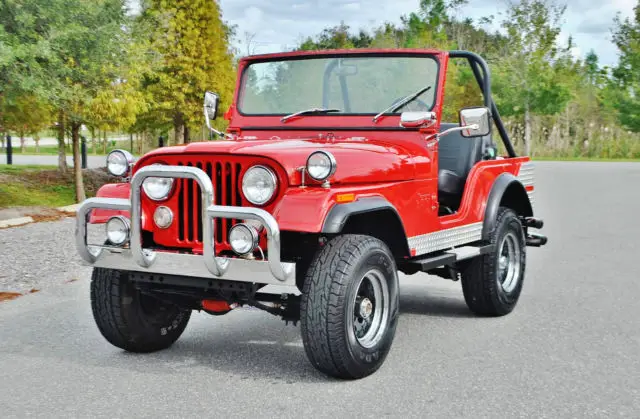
(445, 239)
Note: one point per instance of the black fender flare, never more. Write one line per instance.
(339, 214)
(509, 186)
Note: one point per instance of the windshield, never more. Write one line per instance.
(354, 85)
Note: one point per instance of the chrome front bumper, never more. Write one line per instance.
(207, 265)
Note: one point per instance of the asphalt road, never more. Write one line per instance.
(93, 162)
(570, 349)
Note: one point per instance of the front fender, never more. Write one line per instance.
(110, 190)
(304, 209)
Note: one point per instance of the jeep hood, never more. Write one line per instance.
(358, 161)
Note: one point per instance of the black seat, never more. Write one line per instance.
(456, 156)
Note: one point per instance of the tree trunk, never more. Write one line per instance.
(186, 134)
(77, 162)
(23, 145)
(94, 147)
(36, 139)
(527, 130)
(62, 155)
(104, 142)
(178, 126)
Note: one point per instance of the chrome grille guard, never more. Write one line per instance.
(136, 258)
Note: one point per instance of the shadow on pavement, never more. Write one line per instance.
(247, 344)
(434, 305)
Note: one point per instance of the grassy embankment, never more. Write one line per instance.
(44, 186)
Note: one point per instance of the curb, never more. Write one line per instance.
(69, 208)
(16, 222)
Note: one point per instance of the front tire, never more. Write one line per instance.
(492, 283)
(350, 306)
(131, 320)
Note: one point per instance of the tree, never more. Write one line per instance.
(27, 116)
(25, 51)
(530, 76)
(189, 43)
(626, 37)
(62, 51)
(89, 40)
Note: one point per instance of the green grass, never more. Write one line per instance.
(45, 186)
(53, 149)
(33, 185)
(14, 169)
(586, 159)
(48, 196)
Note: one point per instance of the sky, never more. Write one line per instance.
(277, 25)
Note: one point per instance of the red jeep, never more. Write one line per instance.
(335, 173)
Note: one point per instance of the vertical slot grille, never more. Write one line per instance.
(226, 181)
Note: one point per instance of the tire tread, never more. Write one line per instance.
(324, 291)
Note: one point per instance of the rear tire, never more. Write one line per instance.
(350, 306)
(492, 283)
(131, 320)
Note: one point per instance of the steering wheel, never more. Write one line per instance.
(415, 105)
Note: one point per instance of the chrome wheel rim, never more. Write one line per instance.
(368, 319)
(509, 262)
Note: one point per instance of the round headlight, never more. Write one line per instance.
(157, 188)
(259, 185)
(118, 230)
(119, 162)
(243, 238)
(321, 165)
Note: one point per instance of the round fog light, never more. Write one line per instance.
(118, 230)
(243, 238)
(163, 217)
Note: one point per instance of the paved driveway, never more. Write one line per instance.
(570, 349)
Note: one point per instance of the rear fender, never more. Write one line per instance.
(507, 191)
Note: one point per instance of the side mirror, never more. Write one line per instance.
(475, 122)
(417, 119)
(211, 102)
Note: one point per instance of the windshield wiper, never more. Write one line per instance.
(403, 102)
(312, 111)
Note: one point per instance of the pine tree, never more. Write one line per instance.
(191, 43)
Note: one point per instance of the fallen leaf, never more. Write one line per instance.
(6, 296)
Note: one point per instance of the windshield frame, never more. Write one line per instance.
(348, 54)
